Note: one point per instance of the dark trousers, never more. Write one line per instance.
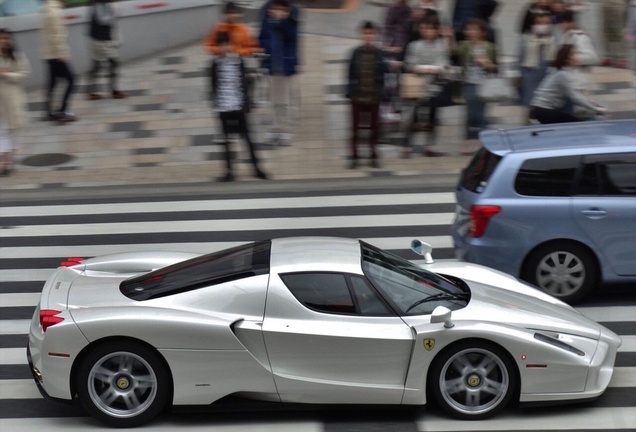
(236, 122)
(476, 119)
(358, 110)
(549, 116)
(59, 69)
(113, 65)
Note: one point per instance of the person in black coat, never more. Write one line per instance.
(365, 89)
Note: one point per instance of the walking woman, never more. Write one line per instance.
(477, 57)
(428, 56)
(549, 104)
(14, 68)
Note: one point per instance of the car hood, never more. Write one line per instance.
(490, 303)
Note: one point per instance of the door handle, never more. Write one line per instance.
(594, 213)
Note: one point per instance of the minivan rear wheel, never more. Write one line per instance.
(566, 271)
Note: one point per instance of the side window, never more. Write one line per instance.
(368, 301)
(609, 175)
(547, 176)
(322, 292)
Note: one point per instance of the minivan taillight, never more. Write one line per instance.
(479, 217)
(48, 318)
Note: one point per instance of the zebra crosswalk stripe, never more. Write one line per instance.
(385, 220)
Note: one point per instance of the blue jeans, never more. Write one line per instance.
(475, 111)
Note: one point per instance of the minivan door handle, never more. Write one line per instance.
(594, 213)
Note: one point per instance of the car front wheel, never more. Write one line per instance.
(565, 271)
(123, 384)
(473, 380)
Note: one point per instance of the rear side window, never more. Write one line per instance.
(608, 175)
(476, 175)
(547, 176)
(224, 266)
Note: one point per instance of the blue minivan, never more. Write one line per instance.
(554, 205)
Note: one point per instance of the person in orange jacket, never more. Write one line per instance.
(242, 41)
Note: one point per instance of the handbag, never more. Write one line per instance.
(495, 88)
(412, 86)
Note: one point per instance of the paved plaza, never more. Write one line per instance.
(165, 132)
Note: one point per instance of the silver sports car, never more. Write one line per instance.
(311, 320)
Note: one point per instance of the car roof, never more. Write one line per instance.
(618, 133)
(313, 253)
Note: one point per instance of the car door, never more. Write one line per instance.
(331, 338)
(605, 208)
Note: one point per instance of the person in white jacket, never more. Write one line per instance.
(14, 68)
(586, 55)
(56, 52)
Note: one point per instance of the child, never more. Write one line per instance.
(229, 99)
(366, 90)
(477, 57)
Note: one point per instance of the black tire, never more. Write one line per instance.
(566, 271)
(484, 386)
(123, 384)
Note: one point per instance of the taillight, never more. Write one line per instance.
(71, 261)
(479, 217)
(48, 318)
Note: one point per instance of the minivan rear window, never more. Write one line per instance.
(219, 267)
(476, 175)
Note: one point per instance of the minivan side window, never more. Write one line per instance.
(608, 175)
(552, 176)
(476, 175)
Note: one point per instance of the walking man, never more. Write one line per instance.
(105, 41)
(56, 53)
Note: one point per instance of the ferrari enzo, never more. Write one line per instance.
(307, 320)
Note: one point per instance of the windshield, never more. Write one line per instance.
(411, 289)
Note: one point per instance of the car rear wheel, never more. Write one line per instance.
(473, 380)
(123, 384)
(566, 271)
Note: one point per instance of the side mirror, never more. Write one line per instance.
(442, 314)
(424, 249)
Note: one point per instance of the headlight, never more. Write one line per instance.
(558, 343)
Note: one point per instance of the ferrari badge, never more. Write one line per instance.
(429, 344)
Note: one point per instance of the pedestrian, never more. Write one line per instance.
(229, 100)
(466, 10)
(477, 58)
(395, 33)
(428, 56)
(549, 104)
(463, 11)
(56, 53)
(614, 20)
(14, 68)
(106, 38)
(279, 38)
(586, 55)
(630, 32)
(536, 52)
(365, 89)
(242, 40)
(537, 7)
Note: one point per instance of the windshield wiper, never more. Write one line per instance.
(440, 296)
